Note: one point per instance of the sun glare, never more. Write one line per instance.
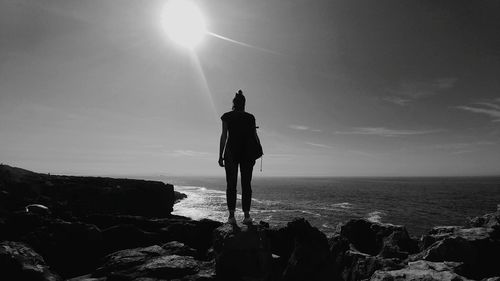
(184, 23)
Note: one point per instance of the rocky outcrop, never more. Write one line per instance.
(88, 229)
(242, 253)
(19, 262)
(422, 270)
(478, 248)
(385, 240)
(78, 196)
(170, 261)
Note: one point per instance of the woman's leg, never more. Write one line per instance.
(246, 187)
(231, 180)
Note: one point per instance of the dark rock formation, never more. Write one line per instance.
(309, 253)
(374, 238)
(85, 195)
(421, 270)
(70, 248)
(20, 262)
(477, 248)
(242, 253)
(103, 229)
(155, 262)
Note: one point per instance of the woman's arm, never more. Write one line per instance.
(223, 139)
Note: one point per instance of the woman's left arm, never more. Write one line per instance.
(222, 145)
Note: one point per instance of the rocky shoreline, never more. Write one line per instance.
(103, 229)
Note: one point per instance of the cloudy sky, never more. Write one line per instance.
(338, 88)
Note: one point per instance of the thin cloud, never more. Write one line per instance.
(485, 108)
(409, 91)
(397, 100)
(304, 128)
(384, 132)
(299, 127)
(319, 145)
(488, 104)
(462, 147)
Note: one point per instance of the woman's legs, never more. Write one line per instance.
(231, 180)
(246, 187)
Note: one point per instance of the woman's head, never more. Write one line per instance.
(239, 101)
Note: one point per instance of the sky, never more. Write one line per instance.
(338, 88)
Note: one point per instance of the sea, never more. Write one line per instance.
(326, 202)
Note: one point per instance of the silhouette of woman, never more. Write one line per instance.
(238, 127)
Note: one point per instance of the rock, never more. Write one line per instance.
(86, 277)
(196, 234)
(373, 238)
(153, 262)
(70, 248)
(437, 233)
(476, 248)
(125, 259)
(421, 270)
(491, 221)
(86, 195)
(242, 253)
(178, 248)
(127, 236)
(20, 262)
(360, 266)
(171, 266)
(179, 196)
(18, 224)
(310, 253)
(339, 245)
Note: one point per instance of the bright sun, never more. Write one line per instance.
(184, 23)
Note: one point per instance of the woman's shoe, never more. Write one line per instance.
(231, 220)
(247, 220)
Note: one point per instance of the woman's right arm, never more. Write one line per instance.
(222, 145)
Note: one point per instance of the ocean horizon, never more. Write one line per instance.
(419, 203)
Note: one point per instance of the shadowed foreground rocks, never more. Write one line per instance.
(67, 228)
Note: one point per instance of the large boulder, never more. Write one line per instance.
(491, 220)
(308, 259)
(360, 266)
(242, 253)
(420, 271)
(20, 262)
(70, 248)
(126, 236)
(374, 238)
(170, 261)
(196, 234)
(477, 248)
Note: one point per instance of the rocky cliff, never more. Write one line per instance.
(72, 230)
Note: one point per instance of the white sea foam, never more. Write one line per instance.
(375, 216)
(337, 206)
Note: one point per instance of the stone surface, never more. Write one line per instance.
(310, 252)
(86, 195)
(421, 271)
(359, 266)
(154, 262)
(70, 248)
(20, 262)
(376, 238)
(242, 253)
(478, 248)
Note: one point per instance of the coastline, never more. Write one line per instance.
(82, 229)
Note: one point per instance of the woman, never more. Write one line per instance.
(238, 127)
